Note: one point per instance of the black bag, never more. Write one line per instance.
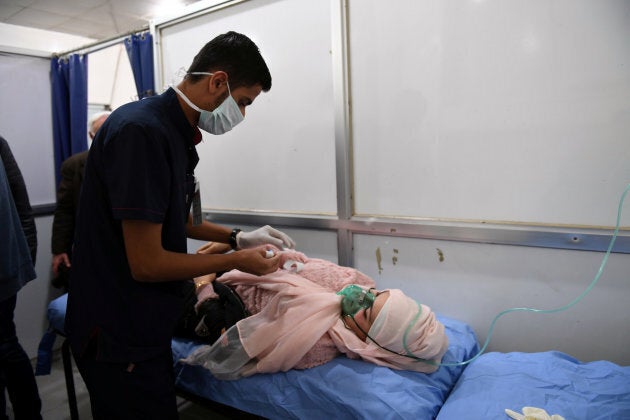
(213, 317)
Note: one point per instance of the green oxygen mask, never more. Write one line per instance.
(354, 299)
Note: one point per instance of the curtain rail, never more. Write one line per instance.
(102, 44)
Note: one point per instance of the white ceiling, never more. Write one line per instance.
(98, 19)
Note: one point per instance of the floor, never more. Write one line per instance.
(52, 391)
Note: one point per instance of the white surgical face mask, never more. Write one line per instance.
(224, 118)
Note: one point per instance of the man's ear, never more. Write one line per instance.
(217, 80)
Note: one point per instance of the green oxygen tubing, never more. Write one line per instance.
(550, 311)
(350, 309)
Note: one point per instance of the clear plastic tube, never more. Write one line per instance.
(562, 308)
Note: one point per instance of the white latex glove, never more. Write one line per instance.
(263, 236)
(532, 413)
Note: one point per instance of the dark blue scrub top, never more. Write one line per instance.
(140, 166)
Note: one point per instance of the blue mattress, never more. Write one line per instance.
(552, 380)
(341, 389)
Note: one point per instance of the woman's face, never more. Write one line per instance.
(364, 319)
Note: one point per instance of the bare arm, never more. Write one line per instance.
(150, 262)
(207, 231)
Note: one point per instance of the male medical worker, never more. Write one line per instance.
(130, 261)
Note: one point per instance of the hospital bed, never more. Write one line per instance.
(351, 389)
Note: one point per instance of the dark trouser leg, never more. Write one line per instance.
(145, 390)
(3, 400)
(16, 369)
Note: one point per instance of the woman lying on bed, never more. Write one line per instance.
(307, 313)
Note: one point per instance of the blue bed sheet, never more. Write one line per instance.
(340, 389)
(57, 312)
(551, 380)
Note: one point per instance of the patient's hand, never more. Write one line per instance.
(293, 255)
(204, 288)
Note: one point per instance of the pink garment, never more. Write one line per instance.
(330, 276)
(296, 323)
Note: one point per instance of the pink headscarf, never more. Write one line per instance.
(405, 327)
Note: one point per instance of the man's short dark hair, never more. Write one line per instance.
(238, 56)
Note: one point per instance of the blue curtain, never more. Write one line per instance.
(68, 77)
(140, 52)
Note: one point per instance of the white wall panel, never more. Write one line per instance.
(515, 111)
(282, 157)
(26, 122)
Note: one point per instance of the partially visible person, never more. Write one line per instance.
(72, 170)
(305, 314)
(18, 247)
